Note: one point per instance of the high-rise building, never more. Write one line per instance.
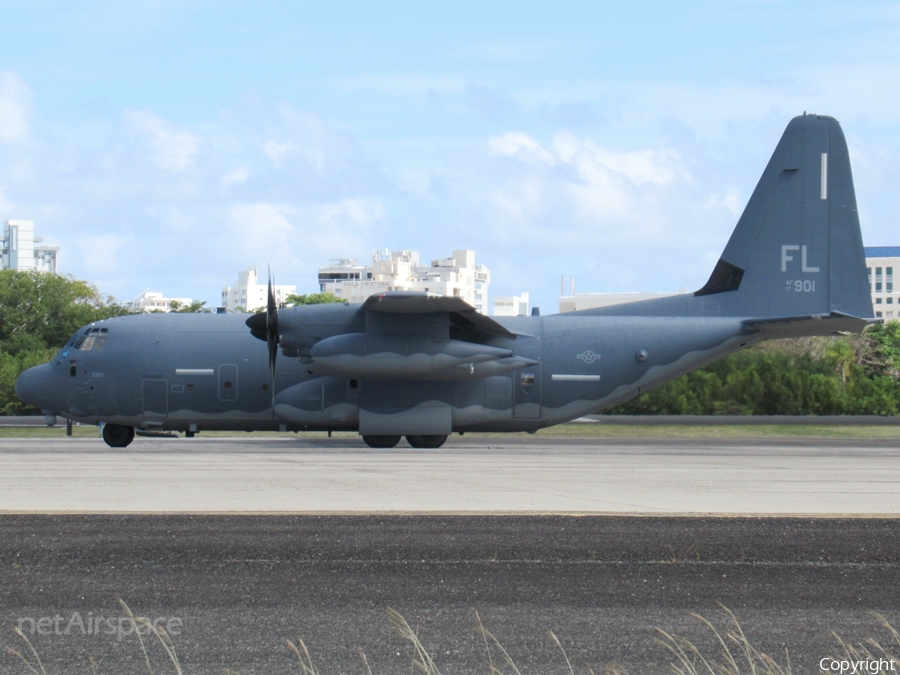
(881, 261)
(456, 276)
(248, 294)
(19, 249)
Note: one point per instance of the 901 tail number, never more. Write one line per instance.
(800, 286)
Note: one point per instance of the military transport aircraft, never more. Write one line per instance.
(423, 366)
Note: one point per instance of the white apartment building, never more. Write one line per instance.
(152, 301)
(248, 294)
(572, 303)
(512, 305)
(19, 249)
(456, 276)
(881, 261)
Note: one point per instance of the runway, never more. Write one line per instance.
(470, 475)
(240, 545)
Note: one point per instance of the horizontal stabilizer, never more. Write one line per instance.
(799, 326)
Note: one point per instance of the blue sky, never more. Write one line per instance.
(168, 145)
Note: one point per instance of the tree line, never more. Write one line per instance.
(848, 375)
(852, 375)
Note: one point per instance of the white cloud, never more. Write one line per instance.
(589, 188)
(640, 167)
(103, 254)
(730, 199)
(361, 212)
(171, 148)
(262, 226)
(15, 107)
(275, 151)
(520, 146)
(236, 177)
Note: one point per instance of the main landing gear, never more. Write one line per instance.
(426, 441)
(381, 441)
(414, 441)
(117, 436)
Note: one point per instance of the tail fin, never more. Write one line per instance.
(797, 250)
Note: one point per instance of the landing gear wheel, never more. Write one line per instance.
(381, 441)
(426, 441)
(117, 436)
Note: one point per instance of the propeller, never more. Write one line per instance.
(265, 327)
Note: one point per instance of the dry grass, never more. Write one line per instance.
(735, 655)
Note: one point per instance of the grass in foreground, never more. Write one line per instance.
(735, 654)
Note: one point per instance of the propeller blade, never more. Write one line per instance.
(272, 334)
(264, 326)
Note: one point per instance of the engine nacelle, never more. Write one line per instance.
(405, 357)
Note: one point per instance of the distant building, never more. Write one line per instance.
(880, 264)
(572, 303)
(456, 276)
(512, 305)
(151, 301)
(249, 294)
(19, 249)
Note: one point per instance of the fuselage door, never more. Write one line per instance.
(156, 398)
(527, 386)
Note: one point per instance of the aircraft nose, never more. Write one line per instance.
(37, 387)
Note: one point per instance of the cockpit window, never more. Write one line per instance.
(91, 339)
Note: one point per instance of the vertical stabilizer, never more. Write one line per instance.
(797, 249)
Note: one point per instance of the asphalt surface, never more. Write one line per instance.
(240, 586)
(519, 474)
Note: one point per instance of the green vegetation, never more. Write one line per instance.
(853, 375)
(38, 313)
(193, 307)
(312, 299)
(296, 300)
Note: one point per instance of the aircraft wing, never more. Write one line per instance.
(462, 315)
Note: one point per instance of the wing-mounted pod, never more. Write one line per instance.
(409, 357)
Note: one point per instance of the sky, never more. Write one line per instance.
(167, 145)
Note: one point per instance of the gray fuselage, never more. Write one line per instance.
(206, 371)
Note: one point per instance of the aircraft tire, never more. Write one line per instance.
(381, 441)
(426, 441)
(117, 436)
